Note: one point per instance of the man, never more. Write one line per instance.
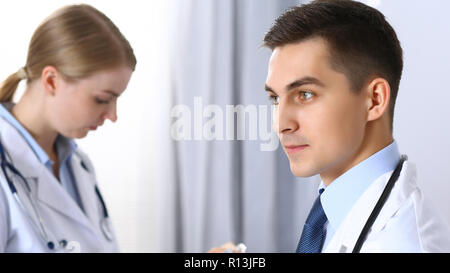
(333, 77)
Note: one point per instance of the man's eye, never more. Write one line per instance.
(306, 95)
(274, 99)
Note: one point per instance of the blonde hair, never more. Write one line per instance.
(77, 40)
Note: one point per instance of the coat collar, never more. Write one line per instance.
(347, 234)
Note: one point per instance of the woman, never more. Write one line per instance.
(78, 64)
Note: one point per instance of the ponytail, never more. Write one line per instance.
(9, 86)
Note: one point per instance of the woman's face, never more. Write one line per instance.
(76, 107)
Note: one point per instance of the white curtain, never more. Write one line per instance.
(165, 195)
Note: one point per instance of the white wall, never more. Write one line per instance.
(129, 155)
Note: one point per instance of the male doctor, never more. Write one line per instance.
(333, 77)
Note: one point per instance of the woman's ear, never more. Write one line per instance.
(379, 96)
(49, 79)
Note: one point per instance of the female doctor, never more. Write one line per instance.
(78, 64)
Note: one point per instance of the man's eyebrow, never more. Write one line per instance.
(298, 83)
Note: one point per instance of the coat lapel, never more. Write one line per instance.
(45, 188)
(348, 233)
(51, 193)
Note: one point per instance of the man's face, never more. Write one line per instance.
(319, 120)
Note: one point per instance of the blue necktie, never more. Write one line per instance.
(313, 233)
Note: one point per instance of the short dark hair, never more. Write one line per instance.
(361, 42)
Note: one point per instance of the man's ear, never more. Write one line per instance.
(50, 79)
(378, 98)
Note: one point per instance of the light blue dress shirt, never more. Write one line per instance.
(65, 147)
(340, 196)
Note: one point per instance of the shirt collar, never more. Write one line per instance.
(65, 146)
(340, 196)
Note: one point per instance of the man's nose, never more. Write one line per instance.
(285, 121)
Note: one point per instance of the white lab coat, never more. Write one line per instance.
(62, 217)
(406, 223)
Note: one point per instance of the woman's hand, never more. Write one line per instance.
(229, 248)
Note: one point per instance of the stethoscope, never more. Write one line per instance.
(104, 223)
(379, 205)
